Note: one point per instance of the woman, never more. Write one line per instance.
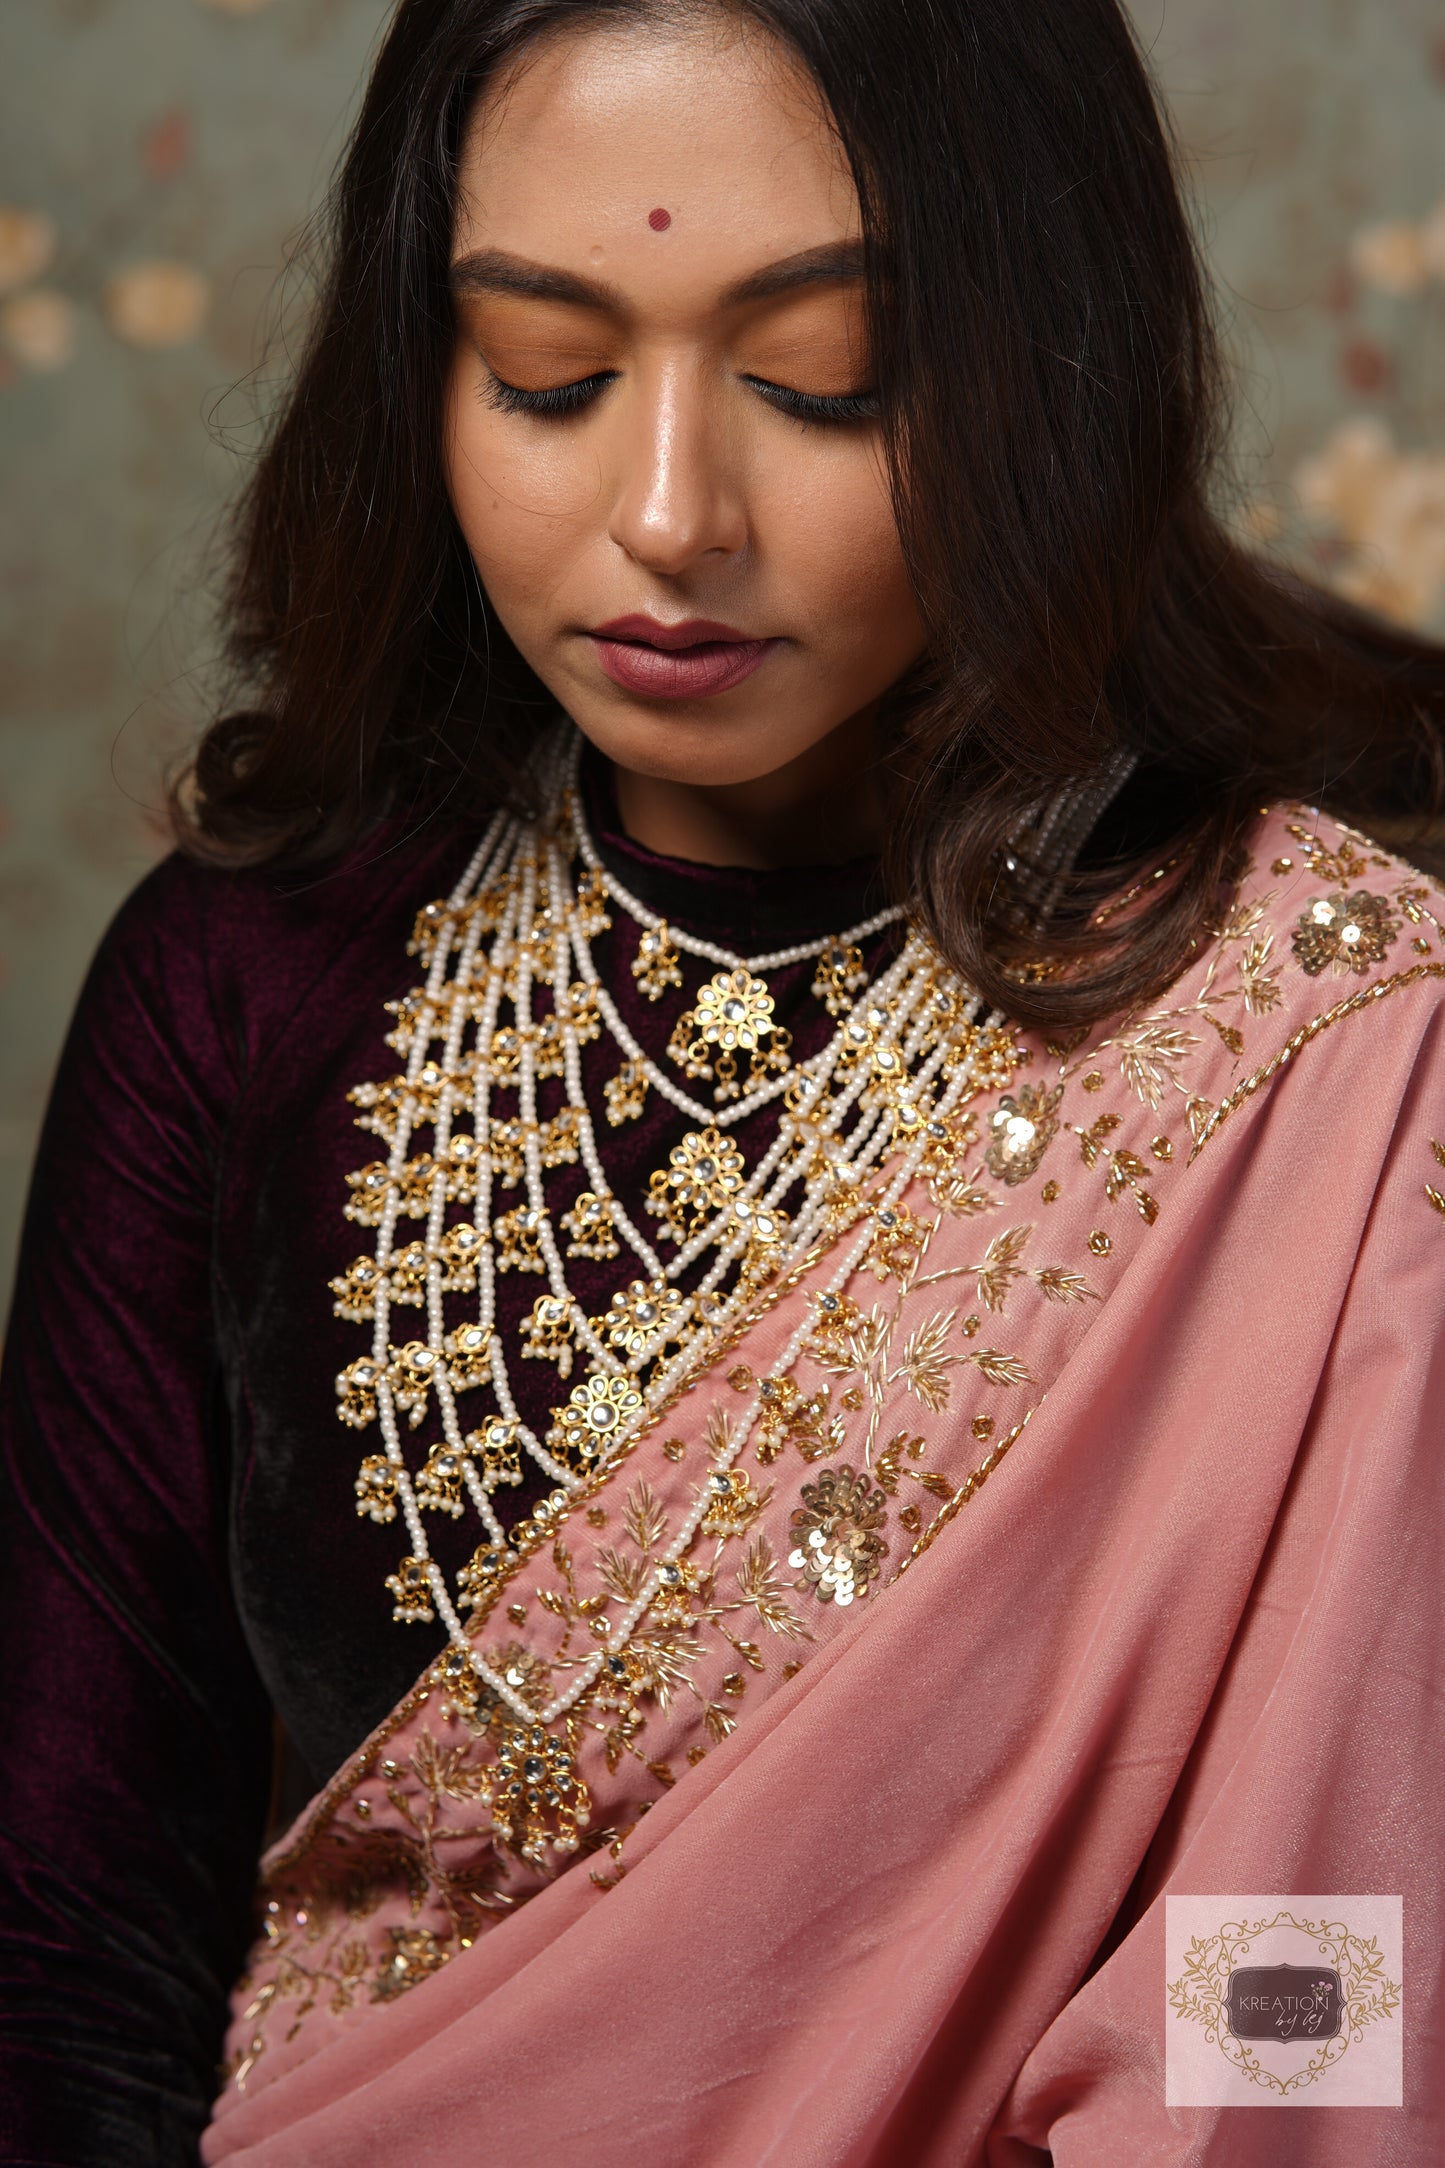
(885, 1296)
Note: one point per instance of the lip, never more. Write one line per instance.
(687, 661)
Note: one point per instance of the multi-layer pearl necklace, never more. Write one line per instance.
(901, 1056)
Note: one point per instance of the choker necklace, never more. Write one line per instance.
(511, 996)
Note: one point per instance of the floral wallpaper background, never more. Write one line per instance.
(157, 161)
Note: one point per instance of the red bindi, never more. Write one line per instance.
(659, 220)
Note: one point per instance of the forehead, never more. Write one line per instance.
(568, 154)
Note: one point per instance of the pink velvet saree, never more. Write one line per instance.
(1125, 1442)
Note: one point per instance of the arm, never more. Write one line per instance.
(135, 1734)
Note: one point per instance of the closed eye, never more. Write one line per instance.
(827, 408)
(555, 400)
(559, 400)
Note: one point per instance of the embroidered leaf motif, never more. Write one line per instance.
(1233, 1039)
(1435, 1198)
(1124, 1167)
(867, 1337)
(1061, 1285)
(1149, 1057)
(1242, 919)
(758, 1584)
(1200, 1113)
(1000, 1267)
(925, 1364)
(1091, 1138)
(1438, 1149)
(643, 1517)
(999, 1369)
(662, 1659)
(458, 1779)
(889, 1461)
(959, 1196)
(1259, 984)
(622, 1575)
(718, 1721)
(425, 1762)
(720, 1432)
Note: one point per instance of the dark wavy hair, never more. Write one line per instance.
(1054, 409)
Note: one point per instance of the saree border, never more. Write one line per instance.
(1351, 1004)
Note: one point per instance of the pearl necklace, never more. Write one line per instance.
(902, 1056)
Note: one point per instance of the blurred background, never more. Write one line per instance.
(158, 160)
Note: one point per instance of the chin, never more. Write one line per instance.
(692, 743)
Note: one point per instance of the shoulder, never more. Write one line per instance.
(202, 968)
(1346, 908)
(1325, 926)
(1327, 936)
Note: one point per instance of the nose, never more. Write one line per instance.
(679, 490)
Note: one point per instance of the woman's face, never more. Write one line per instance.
(661, 442)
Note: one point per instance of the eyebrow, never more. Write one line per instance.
(495, 271)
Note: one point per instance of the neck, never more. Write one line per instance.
(820, 809)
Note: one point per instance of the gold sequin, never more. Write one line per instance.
(1344, 933)
(837, 1548)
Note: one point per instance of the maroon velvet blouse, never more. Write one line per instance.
(184, 1565)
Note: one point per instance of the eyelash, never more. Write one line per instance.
(559, 400)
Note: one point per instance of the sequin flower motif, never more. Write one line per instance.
(596, 1413)
(1021, 1129)
(1344, 933)
(837, 1548)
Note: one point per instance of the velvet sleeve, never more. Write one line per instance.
(135, 1731)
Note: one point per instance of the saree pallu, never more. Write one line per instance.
(1124, 1442)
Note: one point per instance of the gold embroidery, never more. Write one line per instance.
(1344, 933)
(1350, 1006)
(1431, 1192)
(1022, 1127)
(681, 1658)
(837, 1548)
(966, 1490)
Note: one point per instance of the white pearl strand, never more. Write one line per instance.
(724, 1458)
(693, 944)
(505, 844)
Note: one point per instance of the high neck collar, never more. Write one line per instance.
(743, 906)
